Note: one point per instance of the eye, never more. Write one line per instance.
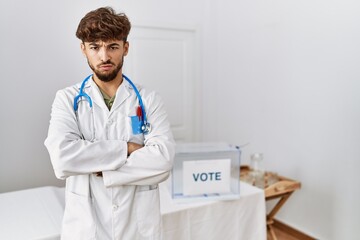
(114, 47)
(94, 48)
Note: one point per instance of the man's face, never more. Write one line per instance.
(105, 58)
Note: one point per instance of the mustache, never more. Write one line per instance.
(107, 62)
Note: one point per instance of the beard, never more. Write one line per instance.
(107, 77)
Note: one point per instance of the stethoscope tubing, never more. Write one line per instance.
(139, 98)
(145, 126)
(82, 94)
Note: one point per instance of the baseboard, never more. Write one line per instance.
(291, 231)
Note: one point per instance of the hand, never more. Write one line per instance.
(133, 147)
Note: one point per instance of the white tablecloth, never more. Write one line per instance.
(31, 214)
(241, 219)
(37, 214)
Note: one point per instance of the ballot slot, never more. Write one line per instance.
(206, 171)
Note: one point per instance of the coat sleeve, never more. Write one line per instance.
(152, 163)
(69, 153)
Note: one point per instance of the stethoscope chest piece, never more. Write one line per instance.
(146, 128)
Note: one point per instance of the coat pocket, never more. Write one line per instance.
(78, 221)
(148, 213)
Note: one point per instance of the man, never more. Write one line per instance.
(111, 166)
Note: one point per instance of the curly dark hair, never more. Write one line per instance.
(103, 24)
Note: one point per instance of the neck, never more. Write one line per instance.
(111, 87)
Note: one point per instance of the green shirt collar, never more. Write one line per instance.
(108, 100)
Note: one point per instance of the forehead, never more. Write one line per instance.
(105, 43)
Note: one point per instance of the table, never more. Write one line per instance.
(31, 214)
(35, 214)
(240, 219)
(281, 190)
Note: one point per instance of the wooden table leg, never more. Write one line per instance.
(270, 216)
(279, 204)
(272, 233)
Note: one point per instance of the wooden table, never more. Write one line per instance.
(280, 189)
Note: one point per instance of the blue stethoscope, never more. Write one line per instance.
(144, 127)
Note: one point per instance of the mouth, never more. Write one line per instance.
(106, 67)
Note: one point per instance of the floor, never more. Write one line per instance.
(281, 235)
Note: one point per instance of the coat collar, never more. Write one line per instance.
(122, 94)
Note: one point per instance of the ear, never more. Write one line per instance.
(126, 48)
(82, 46)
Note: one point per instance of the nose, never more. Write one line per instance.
(103, 54)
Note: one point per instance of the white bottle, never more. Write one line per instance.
(257, 170)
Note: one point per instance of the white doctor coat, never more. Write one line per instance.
(97, 142)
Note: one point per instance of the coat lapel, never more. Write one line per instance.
(96, 96)
(121, 94)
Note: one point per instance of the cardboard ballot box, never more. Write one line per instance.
(206, 171)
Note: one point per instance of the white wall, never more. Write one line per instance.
(281, 75)
(288, 83)
(40, 54)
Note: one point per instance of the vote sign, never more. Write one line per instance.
(206, 176)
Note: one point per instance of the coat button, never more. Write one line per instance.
(115, 207)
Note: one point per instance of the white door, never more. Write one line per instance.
(164, 60)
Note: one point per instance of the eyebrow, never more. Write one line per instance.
(110, 45)
(93, 44)
(113, 44)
